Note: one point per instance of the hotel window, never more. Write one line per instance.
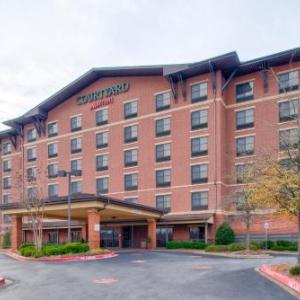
(245, 146)
(31, 135)
(52, 190)
(197, 233)
(76, 145)
(163, 178)
(76, 236)
(31, 154)
(288, 110)
(288, 81)
(75, 187)
(200, 200)
(199, 119)
(245, 119)
(7, 182)
(32, 192)
(163, 127)
(6, 165)
(76, 123)
(130, 109)
(244, 91)
(102, 139)
(199, 173)
(52, 129)
(7, 148)
(133, 200)
(101, 162)
(162, 101)
(102, 116)
(31, 174)
(289, 139)
(163, 202)
(131, 182)
(53, 237)
(102, 185)
(52, 150)
(240, 171)
(131, 157)
(76, 165)
(52, 170)
(163, 152)
(199, 146)
(130, 134)
(199, 92)
(6, 198)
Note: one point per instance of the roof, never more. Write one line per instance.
(187, 217)
(228, 63)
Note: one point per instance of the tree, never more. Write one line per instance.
(224, 235)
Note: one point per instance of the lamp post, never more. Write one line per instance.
(69, 174)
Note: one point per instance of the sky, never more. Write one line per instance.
(44, 45)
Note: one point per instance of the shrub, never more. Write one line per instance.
(236, 247)
(6, 240)
(269, 244)
(225, 235)
(284, 243)
(28, 251)
(185, 245)
(217, 248)
(53, 250)
(283, 248)
(295, 270)
(76, 248)
(254, 247)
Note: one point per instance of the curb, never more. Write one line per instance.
(61, 259)
(2, 281)
(283, 279)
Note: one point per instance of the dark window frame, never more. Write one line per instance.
(200, 206)
(200, 179)
(164, 183)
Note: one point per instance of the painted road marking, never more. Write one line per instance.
(201, 267)
(138, 261)
(105, 280)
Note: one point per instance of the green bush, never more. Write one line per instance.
(236, 247)
(217, 248)
(76, 248)
(254, 247)
(6, 241)
(185, 245)
(283, 248)
(263, 244)
(28, 251)
(49, 250)
(224, 235)
(295, 270)
(284, 243)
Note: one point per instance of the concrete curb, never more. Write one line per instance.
(61, 259)
(285, 280)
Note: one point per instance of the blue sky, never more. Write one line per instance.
(46, 44)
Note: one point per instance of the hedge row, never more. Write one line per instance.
(231, 247)
(186, 245)
(280, 245)
(48, 250)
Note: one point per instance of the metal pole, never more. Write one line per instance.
(69, 207)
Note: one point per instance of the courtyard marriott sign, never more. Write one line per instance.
(108, 93)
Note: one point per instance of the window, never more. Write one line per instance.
(76, 145)
(163, 202)
(163, 178)
(52, 190)
(164, 234)
(31, 154)
(76, 165)
(199, 146)
(199, 119)
(162, 101)
(6, 165)
(76, 236)
(240, 201)
(240, 171)
(102, 117)
(288, 110)
(53, 237)
(133, 200)
(131, 182)
(199, 173)
(52, 129)
(245, 146)
(245, 119)
(163, 152)
(31, 174)
(130, 134)
(31, 135)
(52, 170)
(288, 81)
(288, 139)
(6, 219)
(130, 109)
(75, 187)
(244, 91)
(7, 148)
(102, 185)
(131, 157)
(199, 200)
(6, 198)
(76, 123)
(101, 162)
(163, 127)
(32, 192)
(197, 233)
(199, 92)
(52, 150)
(102, 139)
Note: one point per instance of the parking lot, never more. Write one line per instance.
(140, 275)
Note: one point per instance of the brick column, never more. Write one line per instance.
(16, 232)
(152, 233)
(93, 218)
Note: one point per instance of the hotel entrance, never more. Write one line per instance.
(110, 237)
(134, 236)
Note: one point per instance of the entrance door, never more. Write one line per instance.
(163, 235)
(127, 241)
(109, 237)
(197, 233)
